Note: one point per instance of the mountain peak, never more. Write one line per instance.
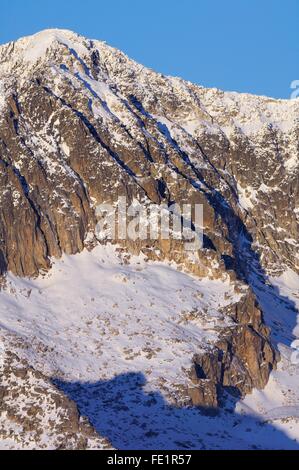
(32, 48)
(47, 36)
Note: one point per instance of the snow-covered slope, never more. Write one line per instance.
(94, 316)
(278, 403)
(117, 334)
(34, 413)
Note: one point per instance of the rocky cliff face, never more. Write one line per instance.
(81, 124)
(241, 360)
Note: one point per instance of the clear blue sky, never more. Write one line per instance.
(242, 45)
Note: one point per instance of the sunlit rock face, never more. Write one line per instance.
(82, 124)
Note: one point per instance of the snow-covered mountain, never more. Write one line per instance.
(155, 345)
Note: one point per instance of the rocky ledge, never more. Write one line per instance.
(241, 360)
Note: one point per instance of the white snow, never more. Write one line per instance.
(247, 196)
(2, 96)
(120, 334)
(95, 310)
(278, 403)
(288, 286)
(31, 397)
(65, 148)
(292, 162)
(35, 47)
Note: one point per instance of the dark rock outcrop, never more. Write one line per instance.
(242, 360)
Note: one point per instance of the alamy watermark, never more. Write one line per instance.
(150, 222)
(295, 354)
(295, 87)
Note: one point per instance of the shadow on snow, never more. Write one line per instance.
(134, 418)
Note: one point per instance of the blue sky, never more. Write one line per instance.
(243, 45)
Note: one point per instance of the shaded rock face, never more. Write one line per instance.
(204, 394)
(81, 124)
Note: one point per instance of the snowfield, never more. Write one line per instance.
(107, 314)
(117, 334)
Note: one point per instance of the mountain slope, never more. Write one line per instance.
(81, 125)
(86, 113)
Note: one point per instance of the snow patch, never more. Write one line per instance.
(36, 46)
(2, 96)
(247, 196)
(291, 163)
(65, 148)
